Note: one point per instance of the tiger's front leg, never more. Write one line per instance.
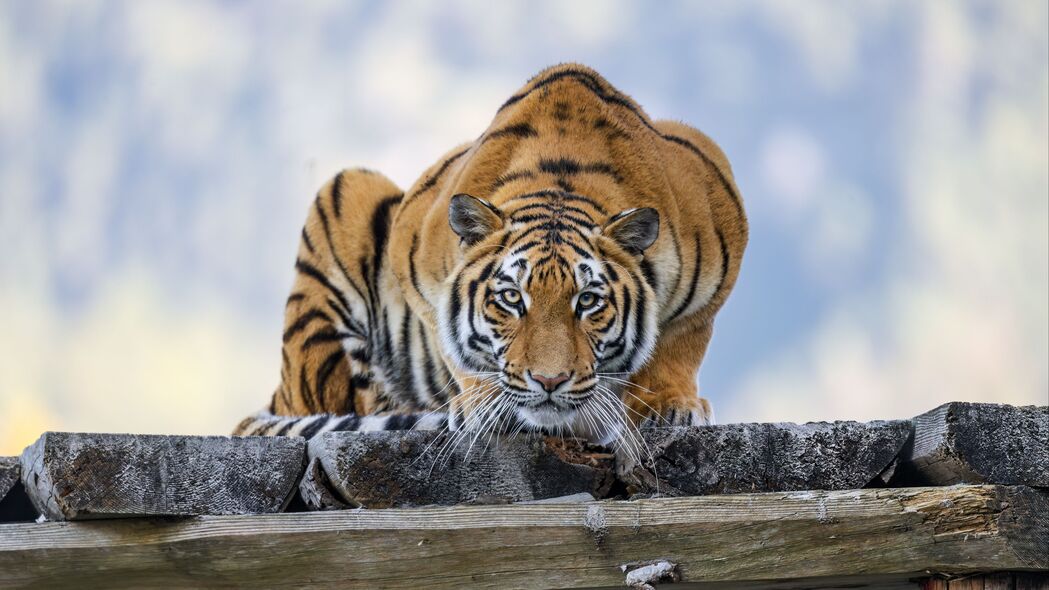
(664, 391)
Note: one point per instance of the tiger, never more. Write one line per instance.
(560, 273)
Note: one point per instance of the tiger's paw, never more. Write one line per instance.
(692, 411)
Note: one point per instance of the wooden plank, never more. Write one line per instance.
(387, 469)
(72, 476)
(963, 442)
(736, 458)
(740, 539)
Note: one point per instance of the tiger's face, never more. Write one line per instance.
(548, 309)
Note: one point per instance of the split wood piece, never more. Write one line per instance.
(14, 504)
(963, 442)
(71, 476)
(738, 458)
(808, 539)
(9, 475)
(393, 469)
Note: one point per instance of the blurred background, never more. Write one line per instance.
(157, 159)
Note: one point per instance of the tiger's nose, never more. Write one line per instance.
(549, 383)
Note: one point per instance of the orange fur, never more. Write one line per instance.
(585, 153)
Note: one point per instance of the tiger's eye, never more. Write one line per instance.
(587, 300)
(511, 296)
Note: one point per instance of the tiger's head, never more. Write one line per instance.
(548, 308)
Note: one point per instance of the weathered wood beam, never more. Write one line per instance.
(388, 469)
(961, 442)
(734, 458)
(732, 540)
(394, 469)
(71, 476)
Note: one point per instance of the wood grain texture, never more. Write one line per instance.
(399, 469)
(733, 540)
(736, 458)
(962, 442)
(71, 476)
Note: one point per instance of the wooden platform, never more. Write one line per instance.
(882, 538)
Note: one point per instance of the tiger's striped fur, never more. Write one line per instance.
(562, 271)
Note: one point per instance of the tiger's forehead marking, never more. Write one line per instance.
(514, 269)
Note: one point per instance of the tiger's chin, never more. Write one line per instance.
(553, 419)
(547, 415)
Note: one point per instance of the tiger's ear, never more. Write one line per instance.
(473, 219)
(634, 229)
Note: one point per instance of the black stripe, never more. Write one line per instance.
(404, 360)
(736, 199)
(312, 429)
(428, 365)
(562, 196)
(324, 373)
(306, 240)
(349, 423)
(432, 180)
(401, 421)
(294, 297)
(510, 177)
(724, 262)
(352, 324)
(361, 381)
(519, 130)
(336, 194)
(552, 208)
(554, 218)
(324, 336)
(586, 79)
(380, 227)
(284, 429)
(305, 392)
(692, 285)
(312, 272)
(285, 392)
(570, 167)
(639, 318)
(304, 320)
(648, 272)
(411, 265)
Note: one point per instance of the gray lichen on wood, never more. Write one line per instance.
(72, 476)
(10, 471)
(735, 458)
(963, 442)
(385, 469)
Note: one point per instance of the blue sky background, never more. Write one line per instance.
(157, 159)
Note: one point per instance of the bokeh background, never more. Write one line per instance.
(157, 159)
